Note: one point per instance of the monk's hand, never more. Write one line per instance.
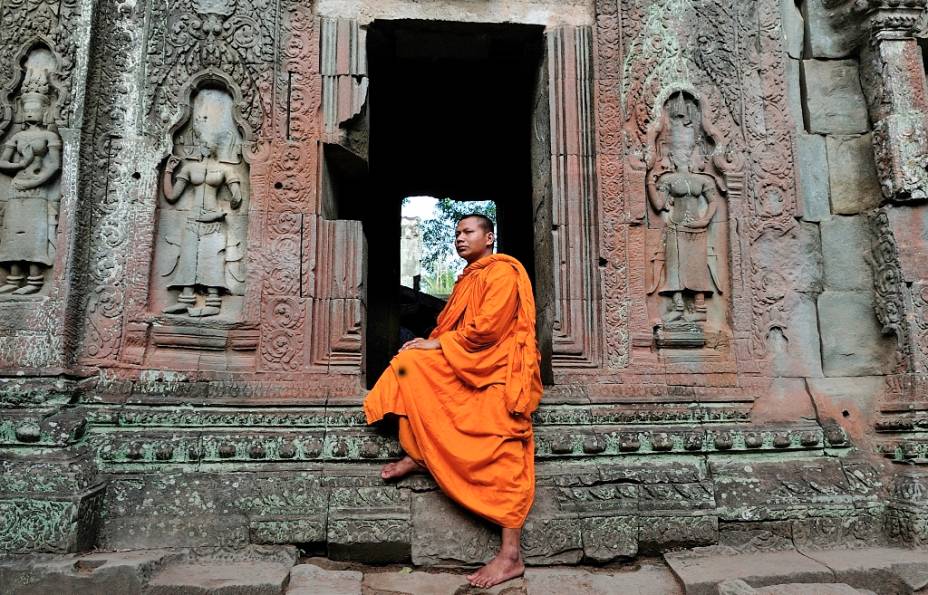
(420, 343)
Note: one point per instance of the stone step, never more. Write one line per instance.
(255, 570)
(309, 579)
(260, 570)
(417, 582)
(87, 574)
(739, 587)
(882, 570)
(634, 579)
(220, 578)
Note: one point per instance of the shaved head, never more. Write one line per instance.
(485, 222)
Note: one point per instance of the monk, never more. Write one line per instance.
(464, 396)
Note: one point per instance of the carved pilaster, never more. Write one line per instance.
(573, 166)
(891, 19)
(894, 80)
(893, 76)
(901, 304)
(893, 301)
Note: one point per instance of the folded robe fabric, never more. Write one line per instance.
(465, 409)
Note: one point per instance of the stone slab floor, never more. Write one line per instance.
(279, 571)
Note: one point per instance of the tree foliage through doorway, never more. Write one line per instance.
(440, 263)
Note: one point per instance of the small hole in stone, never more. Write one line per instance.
(603, 262)
(846, 413)
(136, 175)
(278, 185)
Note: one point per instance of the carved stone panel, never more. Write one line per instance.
(201, 247)
(56, 26)
(42, 56)
(237, 37)
(726, 63)
(208, 262)
(30, 172)
(688, 280)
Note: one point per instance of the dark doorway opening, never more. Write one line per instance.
(452, 107)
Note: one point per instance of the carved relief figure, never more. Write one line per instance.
(204, 185)
(687, 196)
(31, 155)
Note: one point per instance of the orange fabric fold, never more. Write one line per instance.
(465, 409)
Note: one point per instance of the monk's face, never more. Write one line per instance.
(471, 240)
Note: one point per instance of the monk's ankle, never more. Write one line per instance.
(511, 554)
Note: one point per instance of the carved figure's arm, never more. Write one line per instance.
(51, 165)
(172, 190)
(6, 163)
(712, 199)
(236, 189)
(654, 195)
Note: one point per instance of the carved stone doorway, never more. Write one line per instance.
(450, 109)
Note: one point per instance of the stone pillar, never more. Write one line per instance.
(343, 65)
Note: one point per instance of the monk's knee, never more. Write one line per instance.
(406, 362)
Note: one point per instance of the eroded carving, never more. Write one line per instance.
(203, 226)
(31, 164)
(687, 196)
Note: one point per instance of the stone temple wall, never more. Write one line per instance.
(734, 210)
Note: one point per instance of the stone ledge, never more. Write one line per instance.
(881, 570)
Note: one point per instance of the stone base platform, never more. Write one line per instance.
(278, 571)
(612, 484)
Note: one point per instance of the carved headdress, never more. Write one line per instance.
(36, 87)
(684, 125)
(36, 91)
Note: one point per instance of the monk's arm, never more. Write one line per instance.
(497, 310)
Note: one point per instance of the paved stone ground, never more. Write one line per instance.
(279, 571)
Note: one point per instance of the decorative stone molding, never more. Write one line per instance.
(888, 19)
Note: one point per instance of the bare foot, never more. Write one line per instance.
(500, 569)
(400, 468)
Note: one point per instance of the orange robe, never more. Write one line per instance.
(465, 409)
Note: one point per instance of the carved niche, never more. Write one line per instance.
(30, 172)
(202, 222)
(729, 57)
(687, 243)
